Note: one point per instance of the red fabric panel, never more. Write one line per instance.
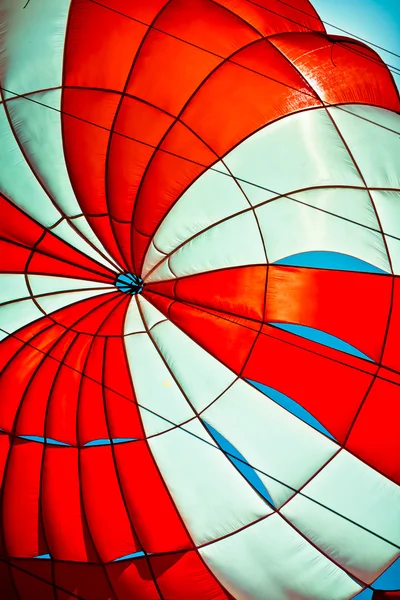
(65, 342)
(391, 356)
(206, 25)
(16, 377)
(329, 390)
(122, 412)
(128, 158)
(21, 511)
(262, 86)
(32, 414)
(80, 312)
(181, 152)
(83, 581)
(228, 340)
(62, 408)
(58, 249)
(115, 38)
(114, 324)
(132, 579)
(168, 71)
(273, 16)
(64, 522)
(152, 511)
(16, 226)
(161, 302)
(375, 435)
(340, 70)
(91, 418)
(107, 518)
(77, 354)
(381, 595)
(99, 315)
(87, 120)
(239, 291)
(165, 288)
(4, 448)
(7, 582)
(61, 414)
(144, 12)
(118, 366)
(182, 576)
(33, 580)
(338, 302)
(43, 264)
(13, 258)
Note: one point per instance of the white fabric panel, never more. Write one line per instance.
(18, 314)
(256, 194)
(31, 58)
(300, 151)
(153, 257)
(271, 561)
(39, 130)
(12, 287)
(209, 199)
(200, 375)
(234, 242)
(394, 251)
(270, 438)
(150, 313)
(375, 149)
(305, 229)
(17, 181)
(45, 284)
(351, 204)
(358, 492)
(72, 237)
(133, 320)
(56, 301)
(388, 206)
(155, 388)
(161, 273)
(32, 44)
(210, 494)
(83, 226)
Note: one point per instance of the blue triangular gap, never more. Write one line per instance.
(108, 442)
(329, 260)
(291, 406)
(130, 556)
(240, 463)
(364, 595)
(321, 337)
(42, 440)
(390, 579)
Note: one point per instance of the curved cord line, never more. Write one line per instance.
(177, 425)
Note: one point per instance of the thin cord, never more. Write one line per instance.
(318, 18)
(225, 452)
(184, 158)
(210, 168)
(396, 70)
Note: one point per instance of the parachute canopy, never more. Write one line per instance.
(199, 304)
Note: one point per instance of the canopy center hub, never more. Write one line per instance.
(129, 283)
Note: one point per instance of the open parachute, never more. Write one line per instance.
(199, 304)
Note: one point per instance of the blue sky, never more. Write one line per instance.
(377, 21)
